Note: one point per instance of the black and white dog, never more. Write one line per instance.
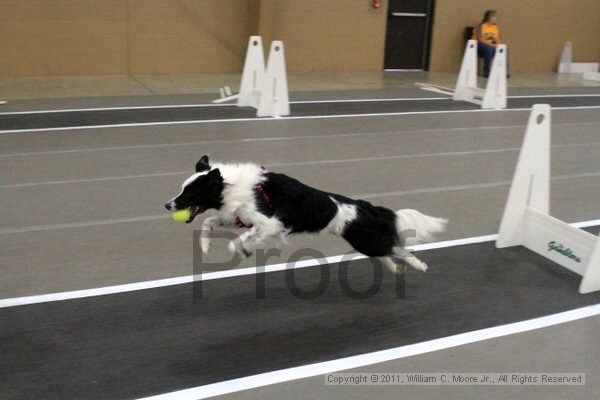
(274, 205)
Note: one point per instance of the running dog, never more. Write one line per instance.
(274, 205)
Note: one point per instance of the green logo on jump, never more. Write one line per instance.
(565, 251)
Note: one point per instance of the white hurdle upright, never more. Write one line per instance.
(591, 76)
(274, 98)
(494, 94)
(265, 89)
(526, 220)
(253, 75)
(567, 66)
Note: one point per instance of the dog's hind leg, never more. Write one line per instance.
(392, 265)
(238, 245)
(410, 258)
(247, 242)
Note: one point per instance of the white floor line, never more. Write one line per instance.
(90, 180)
(446, 88)
(362, 360)
(44, 298)
(452, 188)
(586, 224)
(282, 119)
(117, 108)
(201, 105)
(280, 138)
(82, 224)
(290, 164)
(436, 90)
(130, 287)
(268, 139)
(374, 100)
(212, 105)
(529, 96)
(548, 96)
(450, 92)
(365, 196)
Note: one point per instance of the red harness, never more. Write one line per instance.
(260, 189)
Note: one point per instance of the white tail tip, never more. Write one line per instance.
(415, 227)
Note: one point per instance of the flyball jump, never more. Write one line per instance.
(493, 96)
(526, 220)
(590, 70)
(567, 66)
(262, 87)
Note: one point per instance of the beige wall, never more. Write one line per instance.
(95, 37)
(175, 36)
(340, 35)
(535, 31)
(62, 37)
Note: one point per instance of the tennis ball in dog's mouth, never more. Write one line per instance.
(181, 215)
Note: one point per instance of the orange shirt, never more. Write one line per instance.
(487, 32)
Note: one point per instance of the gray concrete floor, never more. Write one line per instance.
(560, 348)
(84, 209)
(151, 85)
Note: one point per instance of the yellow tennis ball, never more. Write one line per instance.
(181, 215)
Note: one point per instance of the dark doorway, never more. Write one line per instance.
(408, 34)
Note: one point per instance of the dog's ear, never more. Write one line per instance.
(202, 164)
(214, 176)
(215, 173)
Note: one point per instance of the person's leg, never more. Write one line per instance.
(507, 65)
(487, 52)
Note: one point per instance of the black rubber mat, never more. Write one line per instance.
(160, 340)
(116, 117)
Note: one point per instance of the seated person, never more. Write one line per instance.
(488, 37)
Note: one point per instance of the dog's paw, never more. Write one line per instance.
(231, 247)
(421, 266)
(236, 247)
(246, 253)
(205, 245)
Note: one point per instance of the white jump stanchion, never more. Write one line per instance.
(253, 75)
(263, 88)
(566, 58)
(567, 66)
(591, 76)
(495, 90)
(274, 99)
(526, 220)
(467, 76)
(531, 183)
(494, 94)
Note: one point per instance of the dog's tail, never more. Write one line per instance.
(414, 227)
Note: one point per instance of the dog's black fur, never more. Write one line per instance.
(275, 204)
(304, 209)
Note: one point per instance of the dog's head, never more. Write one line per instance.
(200, 192)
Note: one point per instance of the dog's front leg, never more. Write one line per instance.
(207, 226)
(247, 242)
